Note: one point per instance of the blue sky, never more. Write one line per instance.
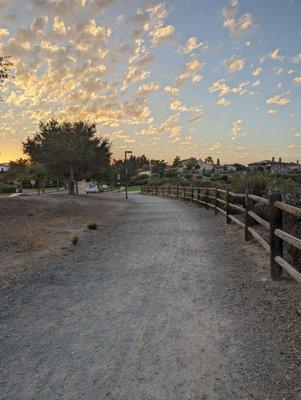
(188, 78)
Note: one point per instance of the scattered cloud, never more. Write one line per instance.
(279, 100)
(256, 71)
(236, 130)
(148, 88)
(223, 102)
(297, 58)
(234, 64)
(275, 55)
(271, 111)
(191, 45)
(171, 90)
(237, 26)
(297, 80)
(162, 35)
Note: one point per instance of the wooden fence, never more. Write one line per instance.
(226, 202)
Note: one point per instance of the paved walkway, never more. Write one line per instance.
(155, 308)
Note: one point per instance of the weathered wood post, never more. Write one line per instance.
(177, 193)
(215, 202)
(156, 190)
(206, 197)
(184, 193)
(168, 190)
(227, 207)
(199, 193)
(192, 193)
(248, 219)
(163, 191)
(276, 244)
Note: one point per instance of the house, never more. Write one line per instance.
(279, 166)
(4, 167)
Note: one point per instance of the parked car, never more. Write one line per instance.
(91, 189)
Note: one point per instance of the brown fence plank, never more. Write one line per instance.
(296, 211)
(288, 238)
(288, 268)
(256, 236)
(260, 220)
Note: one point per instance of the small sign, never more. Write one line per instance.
(32, 182)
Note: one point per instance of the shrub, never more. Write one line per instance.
(258, 183)
(92, 225)
(74, 240)
(6, 187)
(139, 180)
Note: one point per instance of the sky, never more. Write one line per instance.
(193, 78)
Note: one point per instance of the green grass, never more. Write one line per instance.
(132, 188)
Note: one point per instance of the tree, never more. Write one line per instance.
(18, 170)
(192, 164)
(5, 66)
(159, 167)
(70, 150)
(176, 162)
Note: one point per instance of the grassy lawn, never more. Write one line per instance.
(132, 188)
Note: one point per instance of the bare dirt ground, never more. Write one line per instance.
(35, 230)
(163, 302)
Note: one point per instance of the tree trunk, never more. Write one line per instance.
(57, 184)
(71, 182)
(76, 185)
(39, 187)
(43, 186)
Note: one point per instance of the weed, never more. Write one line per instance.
(74, 240)
(92, 225)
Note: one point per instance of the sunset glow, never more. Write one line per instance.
(193, 78)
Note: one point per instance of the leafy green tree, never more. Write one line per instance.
(192, 164)
(176, 162)
(70, 150)
(18, 170)
(159, 167)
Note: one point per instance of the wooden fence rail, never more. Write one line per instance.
(224, 201)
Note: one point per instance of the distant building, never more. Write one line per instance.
(4, 167)
(148, 173)
(279, 166)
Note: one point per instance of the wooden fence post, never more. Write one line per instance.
(177, 194)
(169, 191)
(199, 192)
(248, 219)
(276, 244)
(156, 190)
(184, 193)
(227, 207)
(206, 197)
(192, 193)
(215, 202)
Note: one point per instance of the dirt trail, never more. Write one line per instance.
(158, 305)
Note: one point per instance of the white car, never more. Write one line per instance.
(91, 189)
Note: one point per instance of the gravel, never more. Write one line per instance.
(164, 302)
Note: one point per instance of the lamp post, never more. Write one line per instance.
(126, 172)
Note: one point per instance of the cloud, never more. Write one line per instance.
(297, 134)
(234, 64)
(215, 147)
(237, 26)
(191, 45)
(3, 32)
(297, 58)
(133, 75)
(190, 71)
(223, 102)
(162, 35)
(148, 88)
(221, 87)
(297, 80)
(275, 55)
(256, 71)
(171, 90)
(278, 99)
(271, 111)
(236, 130)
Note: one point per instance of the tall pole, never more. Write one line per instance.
(126, 172)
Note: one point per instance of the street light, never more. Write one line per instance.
(126, 172)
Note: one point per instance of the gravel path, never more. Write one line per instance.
(158, 306)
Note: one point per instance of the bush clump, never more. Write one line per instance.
(74, 240)
(92, 225)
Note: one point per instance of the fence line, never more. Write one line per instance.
(244, 204)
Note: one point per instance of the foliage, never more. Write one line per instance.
(192, 164)
(7, 187)
(258, 183)
(74, 240)
(18, 170)
(5, 67)
(71, 150)
(176, 162)
(92, 225)
(139, 180)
